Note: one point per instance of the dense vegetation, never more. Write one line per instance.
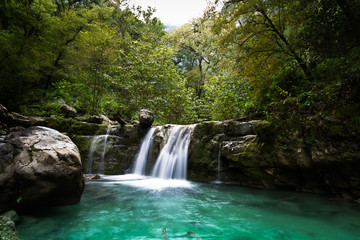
(279, 59)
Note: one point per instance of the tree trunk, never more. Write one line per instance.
(290, 48)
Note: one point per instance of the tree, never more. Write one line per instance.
(194, 46)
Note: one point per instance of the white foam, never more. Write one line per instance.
(147, 182)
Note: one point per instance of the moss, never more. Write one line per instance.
(204, 129)
(83, 143)
(203, 159)
(259, 176)
(75, 127)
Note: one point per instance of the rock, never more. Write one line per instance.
(146, 118)
(119, 119)
(68, 111)
(92, 177)
(96, 119)
(26, 121)
(5, 116)
(7, 229)
(106, 120)
(12, 215)
(3, 112)
(39, 167)
(97, 176)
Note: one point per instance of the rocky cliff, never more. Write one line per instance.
(255, 154)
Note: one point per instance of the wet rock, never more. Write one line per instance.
(92, 177)
(146, 118)
(39, 167)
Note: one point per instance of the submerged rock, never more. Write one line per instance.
(146, 118)
(39, 167)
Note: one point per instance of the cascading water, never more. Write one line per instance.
(140, 162)
(93, 146)
(219, 162)
(102, 165)
(172, 161)
(170, 168)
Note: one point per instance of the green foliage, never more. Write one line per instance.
(296, 60)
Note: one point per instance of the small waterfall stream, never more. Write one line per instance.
(141, 159)
(219, 162)
(93, 146)
(102, 164)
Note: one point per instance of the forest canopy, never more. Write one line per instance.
(277, 59)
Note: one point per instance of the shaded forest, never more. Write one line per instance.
(295, 62)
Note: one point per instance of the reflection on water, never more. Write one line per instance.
(134, 207)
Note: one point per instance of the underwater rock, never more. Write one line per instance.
(39, 167)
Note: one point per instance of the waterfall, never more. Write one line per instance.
(140, 162)
(219, 162)
(102, 165)
(172, 160)
(93, 146)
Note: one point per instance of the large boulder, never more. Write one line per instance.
(146, 118)
(39, 167)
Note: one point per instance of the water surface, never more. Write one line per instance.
(127, 207)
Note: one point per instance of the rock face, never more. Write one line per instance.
(116, 157)
(68, 111)
(250, 153)
(253, 154)
(146, 118)
(39, 167)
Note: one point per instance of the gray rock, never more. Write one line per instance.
(39, 167)
(96, 119)
(7, 229)
(68, 111)
(12, 215)
(146, 118)
(5, 116)
(3, 112)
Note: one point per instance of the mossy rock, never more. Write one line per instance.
(203, 158)
(83, 143)
(204, 129)
(73, 126)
